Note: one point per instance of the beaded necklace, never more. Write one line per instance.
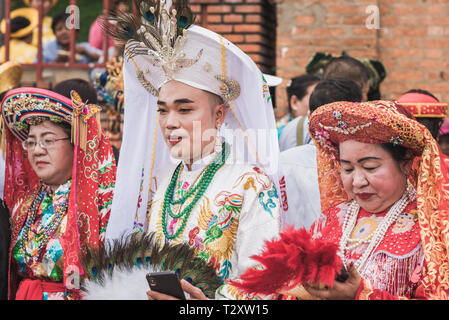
(46, 233)
(193, 183)
(197, 191)
(351, 218)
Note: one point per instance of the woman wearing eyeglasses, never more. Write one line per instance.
(60, 173)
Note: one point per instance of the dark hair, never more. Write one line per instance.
(19, 23)
(66, 127)
(432, 124)
(86, 91)
(398, 153)
(427, 93)
(347, 68)
(299, 86)
(332, 90)
(60, 17)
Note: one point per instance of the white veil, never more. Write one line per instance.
(249, 125)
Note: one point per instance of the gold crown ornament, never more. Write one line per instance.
(159, 44)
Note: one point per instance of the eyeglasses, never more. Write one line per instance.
(47, 143)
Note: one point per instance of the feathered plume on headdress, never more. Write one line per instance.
(156, 32)
(293, 260)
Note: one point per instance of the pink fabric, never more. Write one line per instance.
(44, 92)
(414, 97)
(445, 127)
(34, 289)
(96, 35)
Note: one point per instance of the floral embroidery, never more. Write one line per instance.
(220, 231)
(91, 161)
(194, 240)
(322, 137)
(404, 223)
(269, 204)
(262, 178)
(337, 115)
(250, 184)
(83, 227)
(396, 141)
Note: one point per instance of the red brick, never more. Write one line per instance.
(248, 28)
(359, 42)
(412, 10)
(233, 18)
(327, 32)
(254, 18)
(305, 20)
(214, 18)
(358, 20)
(433, 53)
(388, 21)
(248, 9)
(235, 38)
(406, 75)
(251, 47)
(219, 9)
(436, 43)
(254, 38)
(284, 42)
(363, 31)
(342, 9)
(220, 28)
(195, 7)
(333, 20)
(405, 53)
(407, 31)
(407, 64)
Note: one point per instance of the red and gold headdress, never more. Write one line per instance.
(423, 106)
(384, 122)
(93, 173)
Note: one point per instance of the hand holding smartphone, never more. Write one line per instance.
(166, 282)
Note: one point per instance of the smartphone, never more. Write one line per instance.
(166, 282)
(343, 275)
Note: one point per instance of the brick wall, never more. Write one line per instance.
(412, 42)
(249, 24)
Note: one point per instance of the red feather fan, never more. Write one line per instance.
(294, 259)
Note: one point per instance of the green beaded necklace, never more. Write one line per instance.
(197, 191)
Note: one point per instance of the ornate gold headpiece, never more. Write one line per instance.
(158, 34)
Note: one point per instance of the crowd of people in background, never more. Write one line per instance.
(55, 35)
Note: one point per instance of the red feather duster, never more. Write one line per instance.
(294, 259)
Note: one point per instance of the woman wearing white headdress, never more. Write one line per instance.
(199, 160)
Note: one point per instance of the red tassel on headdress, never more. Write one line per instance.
(294, 259)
